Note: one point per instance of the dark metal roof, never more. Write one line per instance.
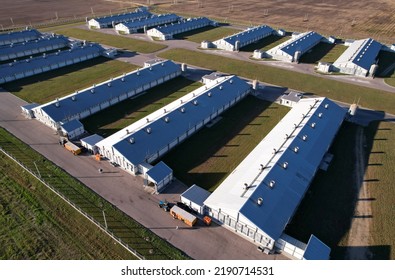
(316, 250)
(83, 100)
(19, 36)
(159, 172)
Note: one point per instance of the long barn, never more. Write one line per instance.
(359, 58)
(145, 23)
(36, 65)
(19, 36)
(41, 45)
(166, 32)
(295, 47)
(111, 21)
(84, 103)
(259, 198)
(148, 139)
(237, 41)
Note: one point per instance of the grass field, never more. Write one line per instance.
(207, 33)
(48, 86)
(120, 225)
(266, 43)
(36, 224)
(370, 98)
(116, 117)
(212, 153)
(323, 52)
(380, 178)
(386, 68)
(327, 209)
(112, 40)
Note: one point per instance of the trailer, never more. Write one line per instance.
(180, 214)
(72, 148)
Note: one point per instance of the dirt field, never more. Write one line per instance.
(24, 12)
(353, 18)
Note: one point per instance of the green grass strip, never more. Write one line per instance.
(112, 40)
(349, 93)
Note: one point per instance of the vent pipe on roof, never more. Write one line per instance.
(131, 140)
(195, 102)
(167, 119)
(183, 110)
(73, 98)
(285, 165)
(149, 130)
(245, 186)
(296, 149)
(313, 125)
(260, 201)
(147, 119)
(326, 106)
(164, 110)
(274, 151)
(272, 183)
(286, 136)
(127, 131)
(304, 137)
(220, 87)
(320, 115)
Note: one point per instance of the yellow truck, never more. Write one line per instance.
(182, 215)
(72, 148)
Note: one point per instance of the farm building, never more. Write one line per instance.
(19, 36)
(237, 41)
(158, 176)
(359, 59)
(259, 198)
(166, 32)
(194, 197)
(90, 142)
(290, 99)
(72, 129)
(84, 103)
(36, 65)
(33, 47)
(150, 138)
(111, 21)
(134, 26)
(294, 48)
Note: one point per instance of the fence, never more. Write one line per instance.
(72, 204)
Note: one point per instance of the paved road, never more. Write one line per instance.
(127, 192)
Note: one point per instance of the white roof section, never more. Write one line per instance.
(302, 42)
(361, 53)
(279, 170)
(137, 142)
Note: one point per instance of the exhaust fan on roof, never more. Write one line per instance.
(259, 201)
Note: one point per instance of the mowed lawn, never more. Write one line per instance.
(121, 115)
(323, 52)
(36, 224)
(370, 98)
(209, 156)
(112, 40)
(380, 178)
(46, 87)
(207, 34)
(328, 206)
(266, 43)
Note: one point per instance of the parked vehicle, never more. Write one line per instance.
(72, 148)
(180, 214)
(164, 205)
